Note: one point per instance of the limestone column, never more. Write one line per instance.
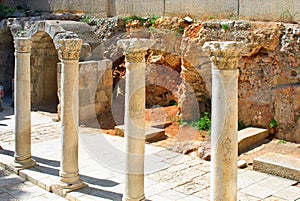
(135, 51)
(68, 52)
(224, 57)
(22, 103)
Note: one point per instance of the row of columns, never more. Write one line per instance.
(68, 53)
(224, 57)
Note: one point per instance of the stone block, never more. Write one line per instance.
(87, 112)
(152, 133)
(249, 137)
(278, 164)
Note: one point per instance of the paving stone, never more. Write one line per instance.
(290, 193)
(10, 180)
(249, 177)
(172, 195)
(189, 188)
(204, 193)
(192, 198)
(244, 197)
(274, 198)
(267, 187)
(157, 197)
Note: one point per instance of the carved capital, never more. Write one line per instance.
(68, 45)
(68, 49)
(23, 45)
(135, 49)
(224, 55)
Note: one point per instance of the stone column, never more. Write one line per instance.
(135, 51)
(68, 52)
(22, 103)
(224, 57)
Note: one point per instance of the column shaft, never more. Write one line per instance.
(224, 134)
(69, 46)
(22, 104)
(69, 121)
(135, 131)
(224, 57)
(135, 51)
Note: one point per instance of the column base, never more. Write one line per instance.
(134, 199)
(24, 164)
(63, 188)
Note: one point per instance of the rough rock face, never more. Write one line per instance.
(269, 69)
(178, 70)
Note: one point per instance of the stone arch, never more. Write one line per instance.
(43, 66)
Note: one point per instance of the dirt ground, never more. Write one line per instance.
(187, 140)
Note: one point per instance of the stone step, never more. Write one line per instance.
(279, 165)
(250, 137)
(152, 133)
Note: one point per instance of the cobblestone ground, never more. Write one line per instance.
(42, 129)
(12, 186)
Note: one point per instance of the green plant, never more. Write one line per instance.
(89, 20)
(152, 29)
(273, 124)
(282, 142)
(172, 103)
(181, 30)
(152, 20)
(203, 123)
(6, 11)
(287, 16)
(21, 33)
(225, 27)
(133, 18)
(241, 125)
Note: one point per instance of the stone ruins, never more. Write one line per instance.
(239, 70)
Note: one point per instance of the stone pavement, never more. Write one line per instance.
(169, 175)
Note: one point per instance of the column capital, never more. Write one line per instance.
(23, 45)
(224, 55)
(135, 49)
(68, 46)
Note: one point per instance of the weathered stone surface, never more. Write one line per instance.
(287, 112)
(278, 164)
(224, 55)
(249, 137)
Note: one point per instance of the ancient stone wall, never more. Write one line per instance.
(95, 88)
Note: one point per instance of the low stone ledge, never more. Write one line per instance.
(279, 165)
(250, 137)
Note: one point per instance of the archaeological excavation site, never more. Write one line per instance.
(157, 100)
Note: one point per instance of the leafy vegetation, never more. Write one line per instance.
(282, 142)
(203, 123)
(6, 11)
(144, 21)
(225, 27)
(241, 125)
(89, 20)
(273, 124)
